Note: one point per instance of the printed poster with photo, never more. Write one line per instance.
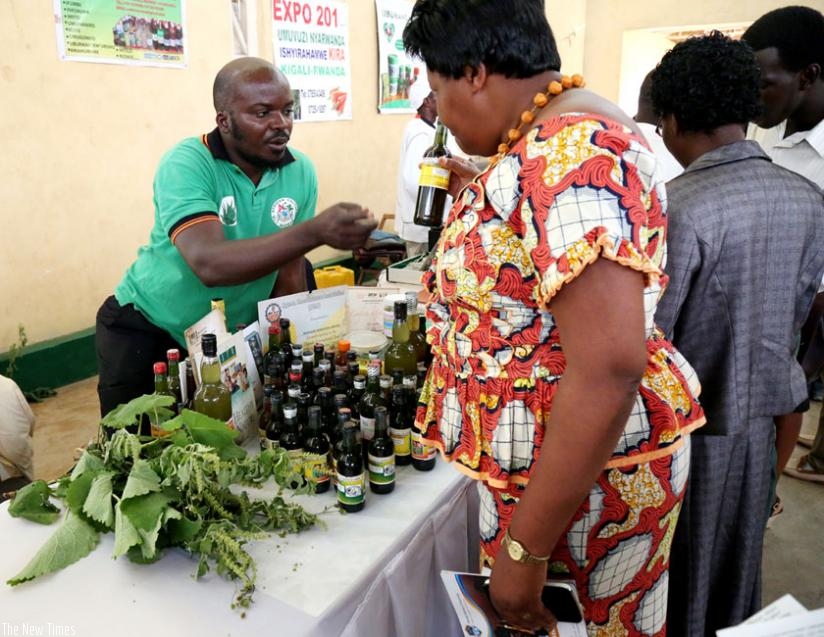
(316, 317)
(397, 71)
(311, 46)
(238, 375)
(130, 32)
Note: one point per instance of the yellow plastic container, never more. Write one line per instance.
(334, 275)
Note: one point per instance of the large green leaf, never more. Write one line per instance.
(125, 533)
(142, 479)
(88, 462)
(98, 504)
(78, 491)
(145, 515)
(72, 540)
(208, 431)
(130, 413)
(145, 511)
(32, 503)
(181, 531)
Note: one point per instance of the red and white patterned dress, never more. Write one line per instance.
(575, 189)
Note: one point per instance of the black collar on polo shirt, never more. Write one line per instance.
(214, 142)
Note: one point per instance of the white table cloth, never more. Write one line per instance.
(370, 574)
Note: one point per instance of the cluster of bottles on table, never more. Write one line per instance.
(342, 420)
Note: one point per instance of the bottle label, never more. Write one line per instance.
(402, 441)
(433, 175)
(367, 428)
(381, 470)
(296, 460)
(421, 451)
(351, 489)
(157, 431)
(333, 469)
(315, 468)
(268, 443)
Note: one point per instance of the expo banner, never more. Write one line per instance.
(397, 70)
(311, 46)
(132, 32)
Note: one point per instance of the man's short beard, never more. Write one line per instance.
(254, 160)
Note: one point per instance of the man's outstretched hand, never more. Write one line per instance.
(344, 226)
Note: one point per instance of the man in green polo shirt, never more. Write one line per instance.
(234, 217)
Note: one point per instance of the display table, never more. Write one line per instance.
(372, 573)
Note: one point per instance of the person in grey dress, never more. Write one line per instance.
(744, 261)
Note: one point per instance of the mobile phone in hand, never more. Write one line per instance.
(561, 599)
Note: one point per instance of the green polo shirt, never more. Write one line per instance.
(195, 179)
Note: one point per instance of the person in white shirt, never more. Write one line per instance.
(648, 123)
(789, 46)
(417, 137)
(16, 429)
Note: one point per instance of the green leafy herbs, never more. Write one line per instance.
(32, 503)
(153, 493)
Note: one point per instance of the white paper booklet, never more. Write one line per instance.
(785, 617)
(235, 372)
(469, 596)
(254, 359)
(317, 317)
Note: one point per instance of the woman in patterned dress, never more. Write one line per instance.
(550, 383)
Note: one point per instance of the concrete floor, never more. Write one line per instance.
(794, 543)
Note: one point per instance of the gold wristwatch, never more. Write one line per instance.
(518, 553)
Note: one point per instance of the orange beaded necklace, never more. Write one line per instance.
(553, 89)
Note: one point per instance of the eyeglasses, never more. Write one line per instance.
(659, 126)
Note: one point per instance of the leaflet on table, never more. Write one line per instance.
(364, 308)
(785, 617)
(213, 323)
(254, 358)
(785, 606)
(325, 315)
(469, 596)
(236, 370)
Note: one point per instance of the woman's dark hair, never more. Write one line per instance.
(509, 37)
(707, 82)
(797, 33)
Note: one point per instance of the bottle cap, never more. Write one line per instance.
(173, 354)
(159, 368)
(208, 343)
(400, 310)
(344, 345)
(285, 323)
(274, 328)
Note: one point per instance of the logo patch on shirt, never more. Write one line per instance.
(284, 211)
(228, 211)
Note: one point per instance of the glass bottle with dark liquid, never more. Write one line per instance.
(433, 183)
